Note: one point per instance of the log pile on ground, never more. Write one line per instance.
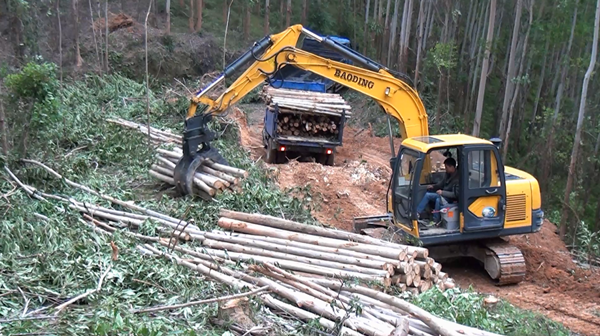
(306, 114)
(211, 178)
(326, 252)
(340, 306)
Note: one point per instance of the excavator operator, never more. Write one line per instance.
(442, 192)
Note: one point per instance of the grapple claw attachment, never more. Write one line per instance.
(184, 173)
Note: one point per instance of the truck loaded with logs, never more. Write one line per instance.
(302, 123)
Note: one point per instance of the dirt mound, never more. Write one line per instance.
(115, 22)
(550, 265)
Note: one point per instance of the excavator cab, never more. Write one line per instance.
(481, 193)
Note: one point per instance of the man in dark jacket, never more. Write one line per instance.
(446, 188)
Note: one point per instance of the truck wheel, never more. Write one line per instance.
(271, 156)
(329, 159)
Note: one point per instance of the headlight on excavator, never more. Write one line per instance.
(488, 212)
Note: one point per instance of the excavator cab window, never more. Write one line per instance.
(406, 174)
(433, 167)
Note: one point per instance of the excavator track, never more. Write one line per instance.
(504, 262)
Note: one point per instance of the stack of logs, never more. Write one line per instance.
(306, 114)
(211, 178)
(324, 252)
(341, 307)
(307, 125)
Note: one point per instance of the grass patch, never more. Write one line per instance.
(468, 308)
(53, 260)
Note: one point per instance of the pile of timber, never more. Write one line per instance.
(211, 178)
(306, 114)
(307, 125)
(333, 303)
(327, 252)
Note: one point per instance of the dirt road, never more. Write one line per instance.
(356, 186)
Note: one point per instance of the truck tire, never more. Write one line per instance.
(324, 159)
(329, 159)
(272, 156)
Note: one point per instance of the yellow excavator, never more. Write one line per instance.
(492, 201)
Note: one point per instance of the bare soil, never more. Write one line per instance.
(356, 186)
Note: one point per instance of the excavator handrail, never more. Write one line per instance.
(397, 97)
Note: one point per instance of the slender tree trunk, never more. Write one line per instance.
(421, 25)
(288, 13)
(509, 85)
(199, 10)
(365, 38)
(484, 69)
(267, 9)
(94, 32)
(106, 36)
(511, 110)
(406, 37)
(400, 56)
(565, 68)
(60, 55)
(168, 10)
(182, 3)
(191, 20)
(78, 59)
(226, 30)
(247, 18)
(304, 8)
(477, 51)
(578, 130)
(539, 90)
(392, 41)
(282, 11)
(147, 74)
(386, 33)
(380, 32)
(3, 128)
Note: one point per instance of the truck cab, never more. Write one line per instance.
(291, 77)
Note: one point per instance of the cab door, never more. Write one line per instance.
(482, 188)
(406, 171)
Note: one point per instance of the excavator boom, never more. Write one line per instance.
(392, 92)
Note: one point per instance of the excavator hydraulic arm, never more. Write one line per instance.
(392, 92)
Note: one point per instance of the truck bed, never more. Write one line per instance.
(308, 139)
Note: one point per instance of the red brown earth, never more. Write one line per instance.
(356, 186)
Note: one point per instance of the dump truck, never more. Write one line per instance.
(296, 129)
(301, 123)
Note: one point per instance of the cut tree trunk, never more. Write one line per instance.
(315, 230)
(240, 226)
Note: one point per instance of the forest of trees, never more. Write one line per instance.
(522, 70)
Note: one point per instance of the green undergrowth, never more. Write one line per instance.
(467, 307)
(46, 262)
